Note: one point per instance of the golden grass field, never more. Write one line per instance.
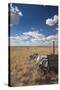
(22, 70)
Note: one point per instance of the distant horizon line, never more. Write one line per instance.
(32, 46)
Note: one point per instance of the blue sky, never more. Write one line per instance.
(33, 25)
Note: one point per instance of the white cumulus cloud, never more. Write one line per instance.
(33, 38)
(35, 35)
(15, 14)
(52, 21)
(52, 37)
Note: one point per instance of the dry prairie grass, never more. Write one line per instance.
(22, 70)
